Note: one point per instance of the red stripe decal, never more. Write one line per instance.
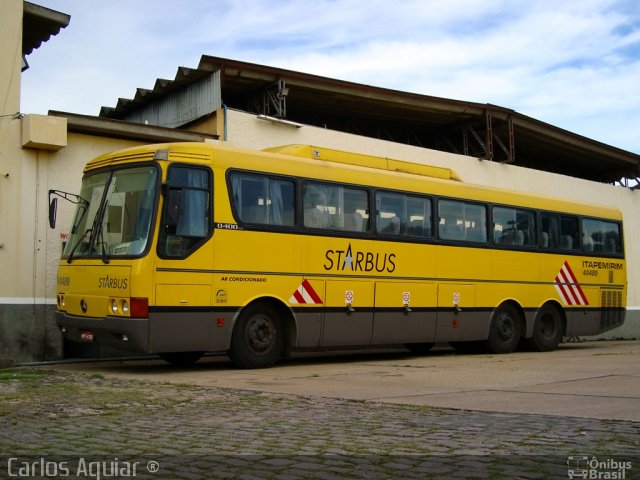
(568, 286)
(312, 293)
(298, 296)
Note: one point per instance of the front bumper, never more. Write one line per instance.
(126, 333)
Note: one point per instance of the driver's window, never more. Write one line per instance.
(186, 219)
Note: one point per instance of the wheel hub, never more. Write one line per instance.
(505, 327)
(261, 335)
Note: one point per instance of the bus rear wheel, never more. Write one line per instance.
(505, 330)
(547, 329)
(258, 337)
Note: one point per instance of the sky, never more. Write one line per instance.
(572, 63)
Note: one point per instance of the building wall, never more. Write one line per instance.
(29, 249)
(11, 61)
(246, 130)
(22, 246)
(10, 56)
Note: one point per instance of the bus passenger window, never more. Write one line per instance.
(402, 214)
(335, 207)
(461, 221)
(259, 199)
(512, 226)
(599, 236)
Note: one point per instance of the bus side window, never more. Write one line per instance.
(462, 221)
(403, 214)
(260, 199)
(335, 207)
(513, 227)
(600, 236)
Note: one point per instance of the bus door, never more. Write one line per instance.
(456, 319)
(405, 313)
(348, 318)
(182, 318)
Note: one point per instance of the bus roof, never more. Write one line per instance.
(350, 158)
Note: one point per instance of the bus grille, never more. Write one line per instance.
(612, 311)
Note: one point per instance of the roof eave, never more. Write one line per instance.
(39, 25)
(132, 131)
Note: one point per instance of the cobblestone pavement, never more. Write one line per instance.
(74, 425)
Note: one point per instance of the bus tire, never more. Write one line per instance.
(258, 337)
(505, 330)
(419, 348)
(181, 359)
(547, 329)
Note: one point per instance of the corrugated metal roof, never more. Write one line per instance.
(181, 106)
(162, 89)
(475, 129)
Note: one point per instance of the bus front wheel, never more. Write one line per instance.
(505, 330)
(258, 337)
(547, 329)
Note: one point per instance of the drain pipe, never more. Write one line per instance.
(224, 109)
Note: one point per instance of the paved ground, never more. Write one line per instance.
(78, 419)
(590, 379)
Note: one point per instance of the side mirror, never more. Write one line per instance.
(53, 210)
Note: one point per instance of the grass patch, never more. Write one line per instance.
(22, 375)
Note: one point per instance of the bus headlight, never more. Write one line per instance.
(125, 307)
(114, 306)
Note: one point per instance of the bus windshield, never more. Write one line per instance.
(115, 217)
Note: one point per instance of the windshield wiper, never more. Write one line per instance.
(75, 247)
(92, 240)
(99, 238)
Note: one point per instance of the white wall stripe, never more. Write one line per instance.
(27, 301)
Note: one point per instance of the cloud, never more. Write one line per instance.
(574, 63)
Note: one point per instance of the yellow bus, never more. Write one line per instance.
(186, 248)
